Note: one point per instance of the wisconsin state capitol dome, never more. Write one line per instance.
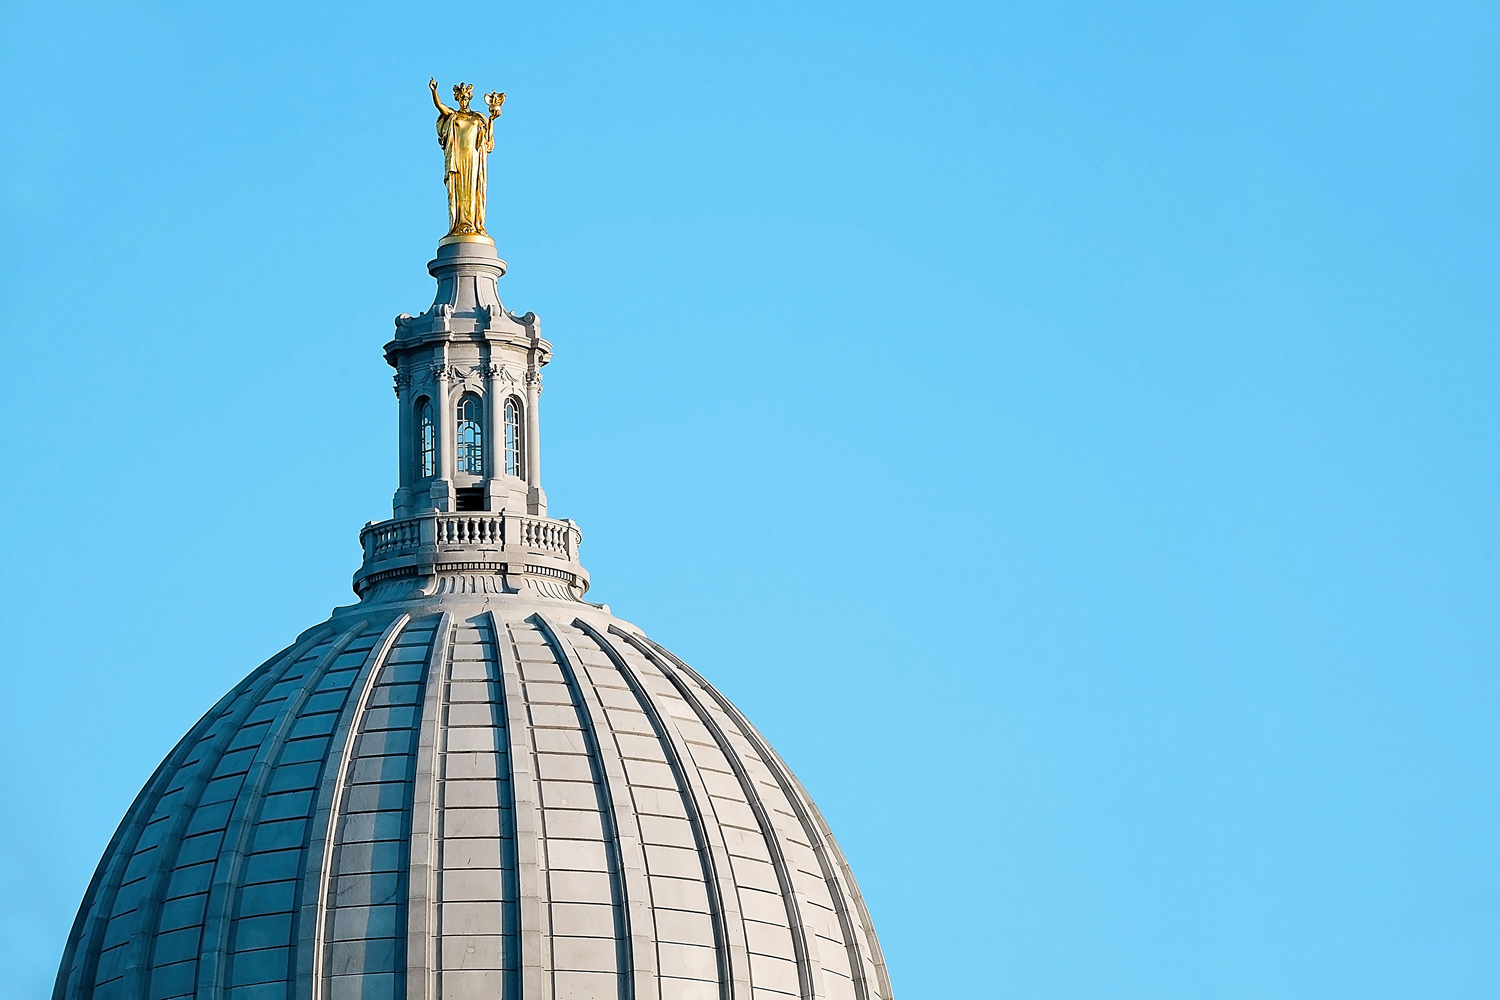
(472, 783)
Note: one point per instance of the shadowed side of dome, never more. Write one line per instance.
(179, 888)
(455, 799)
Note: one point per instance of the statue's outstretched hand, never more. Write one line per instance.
(433, 84)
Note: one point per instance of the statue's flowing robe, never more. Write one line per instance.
(465, 138)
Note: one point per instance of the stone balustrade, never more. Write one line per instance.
(499, 543)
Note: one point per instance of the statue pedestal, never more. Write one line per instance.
(465, 238)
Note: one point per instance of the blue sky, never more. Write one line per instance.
(1068, 430)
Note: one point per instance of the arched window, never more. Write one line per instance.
(426, 439)
(470, 436)
(515, 459)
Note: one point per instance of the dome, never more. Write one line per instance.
(465, 796)
(472, 784)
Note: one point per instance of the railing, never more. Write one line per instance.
(513, 544)
(392, 539)
(549, 536)
(470, 530)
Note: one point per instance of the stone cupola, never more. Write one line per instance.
(458, 365)
(470, 511)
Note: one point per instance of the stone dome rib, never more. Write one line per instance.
(462, 800)
(866, 967)
(625, 849)
(728, 929)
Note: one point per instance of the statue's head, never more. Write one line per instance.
(461, 93)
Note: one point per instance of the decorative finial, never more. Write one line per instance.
(467, 137)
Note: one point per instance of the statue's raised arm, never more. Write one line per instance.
(443, 109)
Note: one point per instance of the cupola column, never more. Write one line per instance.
(494, 434)
(536, 499)
(442, 486)
(406, 460)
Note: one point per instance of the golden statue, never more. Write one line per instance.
(466, 137)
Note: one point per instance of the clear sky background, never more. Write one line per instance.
(1069, 431)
